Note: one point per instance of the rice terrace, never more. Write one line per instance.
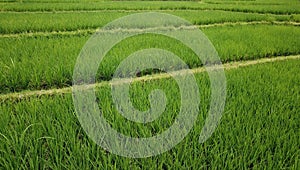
(230, 100)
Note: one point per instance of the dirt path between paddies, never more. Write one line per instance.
(226, 66)
(58, 11)
(91, 31)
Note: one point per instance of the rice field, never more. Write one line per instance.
(257, 42)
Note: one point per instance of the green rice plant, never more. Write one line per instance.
(284, 8)
(105, 5)
(38, 60)
(47, 62)
(252, 42)
(252, 2)
(296, 17)
(18, 22)
(37, 22)
(258, 129)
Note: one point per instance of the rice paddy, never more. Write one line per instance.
(257, 42)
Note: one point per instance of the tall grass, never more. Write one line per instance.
(284, 8)
(47, 62)
(258, 129)
(31, 22)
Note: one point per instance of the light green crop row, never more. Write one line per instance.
(259, 128)
(20, 22)
(82, 1)
(286, 8)
(29, 22)
(47, 62)
(252, 2)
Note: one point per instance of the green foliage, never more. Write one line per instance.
(35, 22)
(283, 8)
(47, 62)
(18, 22)
(258, 127)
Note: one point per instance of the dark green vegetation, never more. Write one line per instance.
(260, 125)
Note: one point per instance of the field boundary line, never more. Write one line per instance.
(91, 31)
(144, 10)
(226, 66)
